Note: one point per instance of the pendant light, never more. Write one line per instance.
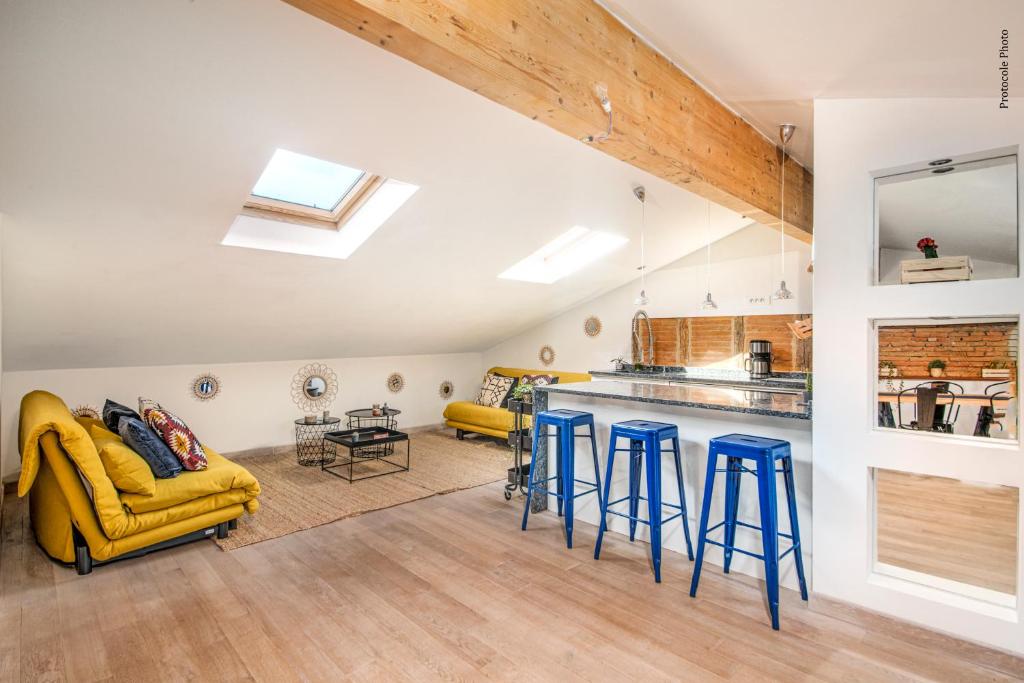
(785, 133)
(641, 194)
(708, 304)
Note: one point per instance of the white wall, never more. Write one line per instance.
(255, 407)
(745, 264)
(853, 140)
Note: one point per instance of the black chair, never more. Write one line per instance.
(987, 415)
(929, 414)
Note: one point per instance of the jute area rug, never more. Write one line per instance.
(294, 497)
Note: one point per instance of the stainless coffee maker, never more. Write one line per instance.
(759, 361)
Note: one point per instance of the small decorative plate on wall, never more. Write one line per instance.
(446, 389)
(592, 326)
(546, 355)
(87, 411)
(205, 387)
(395, 382)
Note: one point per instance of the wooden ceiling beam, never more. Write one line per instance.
(544, 60)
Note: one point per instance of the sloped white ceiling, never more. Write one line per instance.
(770, 60)
(132, 132)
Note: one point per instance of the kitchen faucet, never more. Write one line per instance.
(638, 342)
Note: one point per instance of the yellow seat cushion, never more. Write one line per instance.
(126, 468)
(467, 412)
(221, 476)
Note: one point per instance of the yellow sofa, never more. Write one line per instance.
(79, 516)
(466, 416)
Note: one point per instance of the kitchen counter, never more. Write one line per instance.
(701, 412)
(790, 380)
(736, 400)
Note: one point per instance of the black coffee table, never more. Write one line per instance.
(365, 452)
(363, 418)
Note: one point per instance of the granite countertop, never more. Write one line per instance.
(788, 380)
(734, 400)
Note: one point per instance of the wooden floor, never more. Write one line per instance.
(948, 528)
(442, 588)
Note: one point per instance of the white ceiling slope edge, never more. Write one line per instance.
(768, 61)
(133, 132)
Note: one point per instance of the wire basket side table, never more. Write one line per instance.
(311, 448)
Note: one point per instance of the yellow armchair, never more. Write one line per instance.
(79, 516)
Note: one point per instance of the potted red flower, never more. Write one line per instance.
(928, 246)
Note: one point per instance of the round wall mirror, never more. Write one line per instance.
(205, 387)
(315, 387)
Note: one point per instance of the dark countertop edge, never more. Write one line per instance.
(766, 412)
(779, 382)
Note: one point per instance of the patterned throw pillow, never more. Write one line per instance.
(540, 380)
(495, 389)
(173, 431)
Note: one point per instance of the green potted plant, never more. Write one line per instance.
(936, 367)
(886, 368)
(523, 392)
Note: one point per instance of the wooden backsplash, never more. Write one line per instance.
(722, 341)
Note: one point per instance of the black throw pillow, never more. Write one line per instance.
(113, 412)
(144, 441)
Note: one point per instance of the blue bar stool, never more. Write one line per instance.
(565, 423)
(645, 439)
(764, 452)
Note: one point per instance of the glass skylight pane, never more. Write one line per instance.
(298, 179)
(564, 255)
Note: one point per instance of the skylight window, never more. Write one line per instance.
(297, 179)
(313, 192)
(564, 255)
(303, 205)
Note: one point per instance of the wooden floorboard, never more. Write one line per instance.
(445, 588)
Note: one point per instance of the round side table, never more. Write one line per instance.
(310, 446)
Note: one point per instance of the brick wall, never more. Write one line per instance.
(722, 341)
(966, 348)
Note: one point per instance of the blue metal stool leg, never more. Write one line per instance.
(733, 478)
(652, 454)
(709, 485)
(607, 493)
(560, 481)
(597, 467)
(533, 473)
(635, 455)
(769, 533)
(794, 526)
(567, 446)
(682, 497)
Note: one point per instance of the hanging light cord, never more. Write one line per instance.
(782, 217)
(643, 257)
(707, 236)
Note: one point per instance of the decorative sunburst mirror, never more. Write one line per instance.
(592, 326)
(546, 355)
(314, 387)
(446, 390)
(395, 382)
(206, 387)
(85, 410)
